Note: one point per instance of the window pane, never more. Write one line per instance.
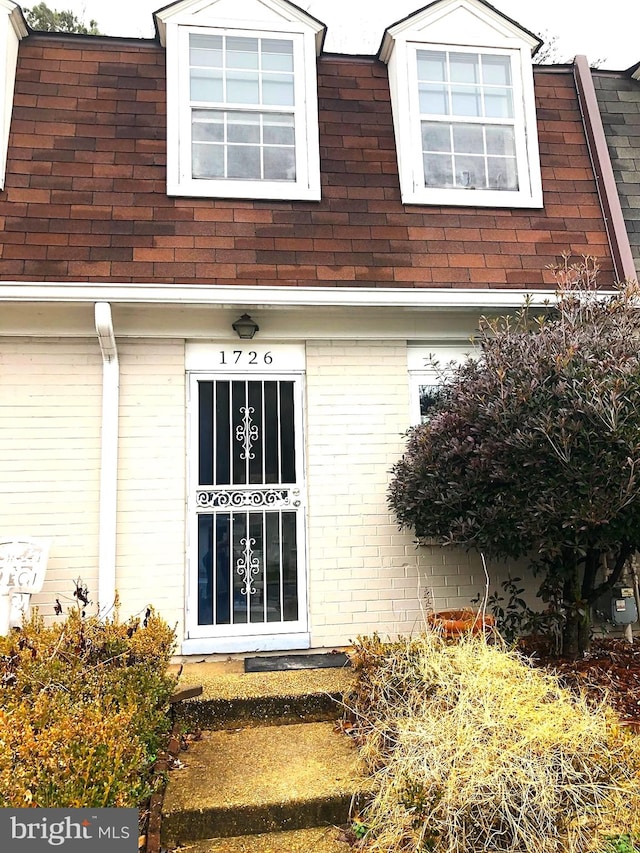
(287, 433)
(279, 164)
(468, 139)
(205, 431)
(464, 67)
(501, 140)
(436, 136)
(207, 161)
(498, 103)
(465, 101)
(243, 88)
(277, 89)
(432, 65)
(224, 569)
(277, 55)
(496, 70)
(206, 58)
(201, 44)
(205, 570)
(242, 52)
(470, 172)
(503, 173)
(289, 566)
(206, 85)
(244, 127)
(433, 100)
(438, 170)
(277, 134)
(429, 396)
(243, 161)
(208, 131)
(272, 567)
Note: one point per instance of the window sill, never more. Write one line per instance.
(472, 198)
(249, 190)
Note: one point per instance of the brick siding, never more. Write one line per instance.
(365, 574)
(50, 456)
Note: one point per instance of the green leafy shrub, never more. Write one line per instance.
(83, 710)
(474, 751)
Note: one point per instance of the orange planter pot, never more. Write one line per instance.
(453, 623)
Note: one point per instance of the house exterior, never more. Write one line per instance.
(362, 211)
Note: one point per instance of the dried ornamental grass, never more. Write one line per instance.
(473, 750)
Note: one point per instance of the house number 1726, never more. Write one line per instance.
(238, 356)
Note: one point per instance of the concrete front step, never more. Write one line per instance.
(261, 780)
(231, 697)
(316, 840)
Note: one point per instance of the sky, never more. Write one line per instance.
(606, 32)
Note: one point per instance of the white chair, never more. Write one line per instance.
(23, 564)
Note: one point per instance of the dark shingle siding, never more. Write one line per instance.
(85, 195)
(619, 101)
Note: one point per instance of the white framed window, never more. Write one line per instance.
(242, 108)
(468, 122)
(464, 108)
(427, 365)
(242, 99)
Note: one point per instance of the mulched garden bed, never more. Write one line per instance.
(611, 667)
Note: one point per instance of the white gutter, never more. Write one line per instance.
(273, 297)
(108, 460)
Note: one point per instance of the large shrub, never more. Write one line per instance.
(472, 751)
(533, 448)
(83, 710)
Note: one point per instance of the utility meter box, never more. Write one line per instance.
(623, 609)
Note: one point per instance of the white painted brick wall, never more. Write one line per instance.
(366, 575)
(151, 479)
(50, 415)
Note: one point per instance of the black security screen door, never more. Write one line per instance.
(248, 505)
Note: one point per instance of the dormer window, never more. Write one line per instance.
(242, 112)
(467, 120)
(464, 114)
(243, 121)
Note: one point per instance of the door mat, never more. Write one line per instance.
(280, 663)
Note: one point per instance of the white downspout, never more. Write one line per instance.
(108, 459)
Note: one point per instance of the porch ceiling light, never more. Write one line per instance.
(245, 327)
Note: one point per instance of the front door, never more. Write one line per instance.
(247, 580)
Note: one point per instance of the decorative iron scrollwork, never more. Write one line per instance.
(239, 498)
(247, 566)
(247, 432)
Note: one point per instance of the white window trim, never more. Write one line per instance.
(179, 180)
(403, 76)
(422, 371)
(473, 26)
(12, 29)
